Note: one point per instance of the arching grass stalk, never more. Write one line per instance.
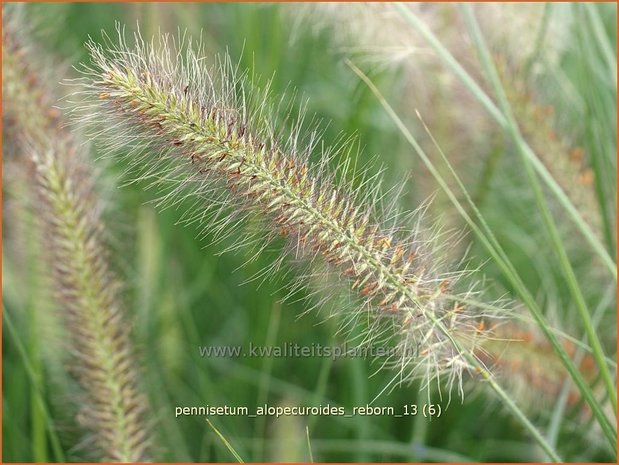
(210, 133)
(111, 407)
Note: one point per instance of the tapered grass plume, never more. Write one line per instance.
(30, 113)
(568, 165)
(111, 407)
(213, 133)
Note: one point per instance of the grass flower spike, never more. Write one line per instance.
(113, 407)
(110, 405)
(214, 135)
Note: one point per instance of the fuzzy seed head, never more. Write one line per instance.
(212, 133)
(111, 407)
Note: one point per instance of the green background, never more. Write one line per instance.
(180, 293)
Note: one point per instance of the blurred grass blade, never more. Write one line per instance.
(37, 387)
(597, 90)
(561, 403)
(610, 56)
(539, 40)
(226, 443)
(309, 445)
(476, 90)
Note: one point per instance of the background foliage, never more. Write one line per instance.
(182, 293)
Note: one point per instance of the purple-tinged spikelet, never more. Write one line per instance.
(111, 407)
(211, 133)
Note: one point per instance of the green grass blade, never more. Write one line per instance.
(37, 387)
(610, 56)
(561, 403)
(226, 442)
(539, 40)
(309, 445)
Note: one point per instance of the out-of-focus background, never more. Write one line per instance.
(557, 64)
